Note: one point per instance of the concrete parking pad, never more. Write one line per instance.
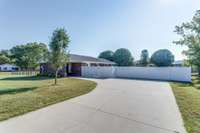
(115, 106)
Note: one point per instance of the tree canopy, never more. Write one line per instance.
(123, 57)
(5, 57)
(108, 54)
(144, 59)
(190, 37)
(162, 57)
(5, 53)
(58, 50)
(29, 56)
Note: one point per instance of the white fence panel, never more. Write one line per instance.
(157, 73)
(98, 72)
(143, 72)
(181, 74)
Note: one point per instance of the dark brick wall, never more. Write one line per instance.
(47, 70)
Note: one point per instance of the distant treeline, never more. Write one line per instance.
(123, 57)
(26, 56)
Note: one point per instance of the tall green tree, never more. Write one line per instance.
(29, 56)
(5, 57)
(190, 37)
(108, 54)
(123, 57)
(5, 53)
(58, 50)
(144, 59)
(162, 57)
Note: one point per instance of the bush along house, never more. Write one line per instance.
(73, 66)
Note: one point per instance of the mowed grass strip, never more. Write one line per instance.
(188, 99)
(19, 95)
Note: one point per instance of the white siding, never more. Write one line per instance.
(7, 67)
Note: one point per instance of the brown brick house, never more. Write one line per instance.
(73, 67)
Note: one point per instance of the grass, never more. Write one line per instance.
(19, 95)
(188, 99)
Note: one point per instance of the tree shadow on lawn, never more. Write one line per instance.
(195, 83)
(16, 90)
(26, 78)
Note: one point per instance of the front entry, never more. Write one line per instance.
(74, 69)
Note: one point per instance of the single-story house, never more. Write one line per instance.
(73, 67)
(8, 67)
(178, 63)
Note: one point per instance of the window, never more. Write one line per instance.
(14, 68)
(84, 64)
(93, 64)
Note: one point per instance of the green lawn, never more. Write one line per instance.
(188, 99)
(19, 95)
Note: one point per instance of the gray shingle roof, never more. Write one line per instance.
(178, 62)
(82, 59)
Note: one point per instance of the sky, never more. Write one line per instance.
(97, 25)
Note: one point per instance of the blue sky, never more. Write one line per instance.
(96, 25)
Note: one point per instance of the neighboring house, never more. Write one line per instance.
(137, 63)
(178, 63)
(8, 67)
(73, 67)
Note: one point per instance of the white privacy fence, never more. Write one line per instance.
(157, 73)
(98, 72)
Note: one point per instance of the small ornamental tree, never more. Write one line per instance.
(144, 59)
(108, 54)
(162, 57)
(58, 50)
(123, 57)
(190, 37)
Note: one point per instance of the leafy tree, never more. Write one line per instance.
(108, 54)
(4, 59)
(29, 56)
(5, 53)
(162, 57)
(144, 59)
(190, 37)
(58, 46)
(123, 57)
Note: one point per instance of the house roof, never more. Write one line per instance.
(178, 62)
(84, 59)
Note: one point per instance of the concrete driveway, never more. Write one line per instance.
(115, 106)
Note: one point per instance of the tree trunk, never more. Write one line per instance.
(56, 76)
(198, 68)
(65, 71)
